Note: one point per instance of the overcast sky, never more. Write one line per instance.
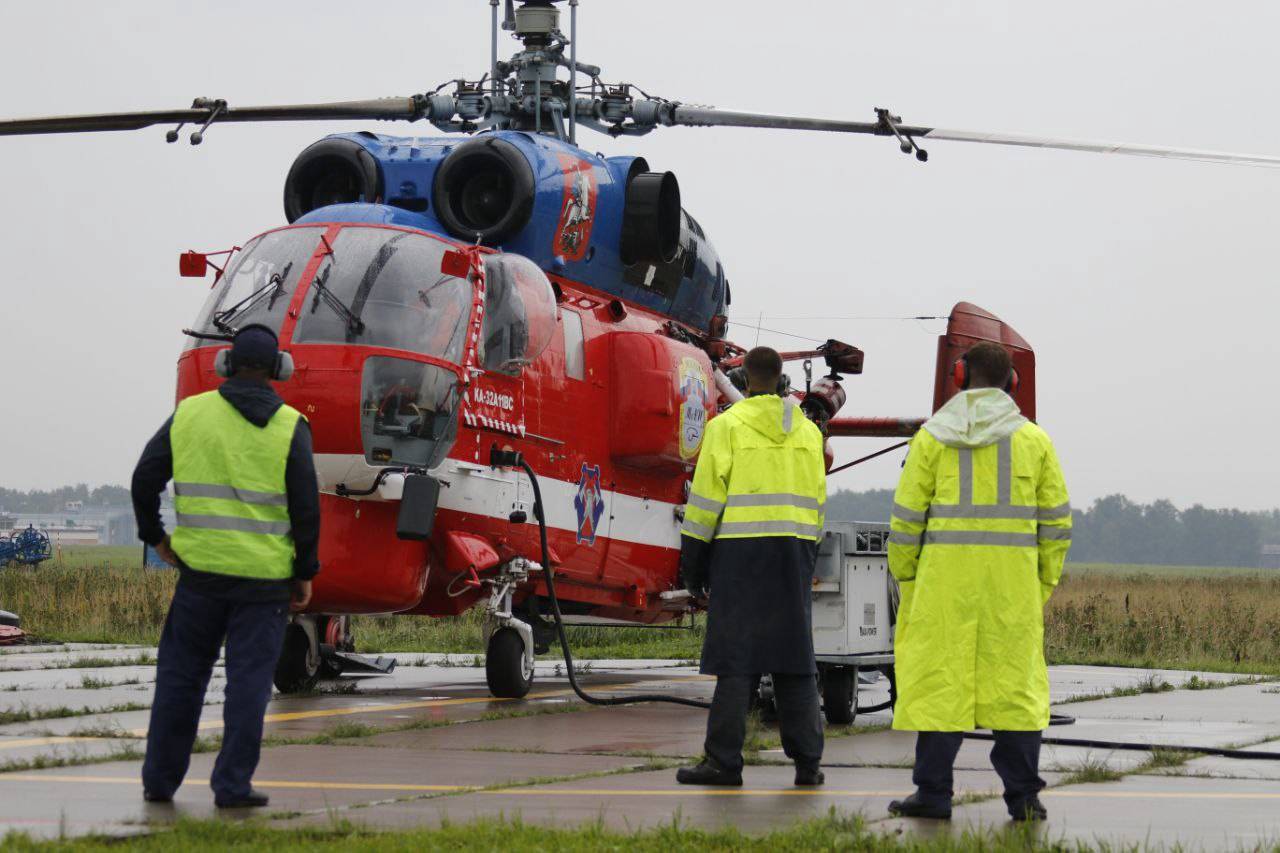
(1146, 287)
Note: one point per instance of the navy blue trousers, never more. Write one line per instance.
(799, 719)
(1014, 755)
(194, 631)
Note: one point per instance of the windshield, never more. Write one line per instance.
(407, 412)
(259, 283)
(519, 313)
(384, 288)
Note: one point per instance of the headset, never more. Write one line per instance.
(960, 376)
(281, 370)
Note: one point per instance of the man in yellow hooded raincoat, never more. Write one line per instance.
(980, 530)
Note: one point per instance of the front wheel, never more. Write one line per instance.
(509, 674)
(840, 694)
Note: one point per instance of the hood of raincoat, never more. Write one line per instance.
(765, 413)
(975, 418)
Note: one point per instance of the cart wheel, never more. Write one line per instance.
(299, 666)
(762, 700)
(509, 676)
(840, 694)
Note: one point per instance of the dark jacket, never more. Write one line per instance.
(257, 402)
(761, 613)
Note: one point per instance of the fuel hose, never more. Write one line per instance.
(508, 458)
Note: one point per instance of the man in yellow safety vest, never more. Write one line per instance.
(980, 530)
(750, 535)
(248, 526)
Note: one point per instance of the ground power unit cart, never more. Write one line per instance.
(855, 604)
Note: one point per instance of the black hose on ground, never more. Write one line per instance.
(1220, 752)
(550, 576)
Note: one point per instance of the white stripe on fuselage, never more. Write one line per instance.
(480, 490)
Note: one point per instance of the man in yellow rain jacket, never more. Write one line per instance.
(750, 535)
(980, 530)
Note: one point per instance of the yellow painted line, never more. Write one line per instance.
(316, 786)
(42, 741)
(683, 791)
(352, 710)
(686, 791)
(1169, 795)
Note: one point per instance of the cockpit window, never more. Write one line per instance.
(519, 313)
(383, 287)
(259, 283)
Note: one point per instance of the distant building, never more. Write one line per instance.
(78, 524)
(1270, 557)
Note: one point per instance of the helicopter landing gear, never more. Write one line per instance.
(298, 668)
(321, 647)
(509, 643)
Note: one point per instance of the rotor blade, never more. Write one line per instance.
(707, 117)
(381, 108)
(1099, 147)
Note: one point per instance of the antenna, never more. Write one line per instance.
(573, 72)
(493, 45)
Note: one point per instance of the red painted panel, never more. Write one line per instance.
(969, 325)
(660, 400)
(364, 568)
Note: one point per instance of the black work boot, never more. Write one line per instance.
(913, 806)
(1029, 810)
(707, 774)
(809, 776)
(155, 797)
(253, 799)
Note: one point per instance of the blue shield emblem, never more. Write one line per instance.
(589, 503)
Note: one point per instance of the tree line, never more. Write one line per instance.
(53, 500)
(1113, 529)
(1116, 529)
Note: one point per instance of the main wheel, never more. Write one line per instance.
(840, 694)
(298, 668)
(509, 676)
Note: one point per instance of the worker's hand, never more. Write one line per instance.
(165, 550)
(301, 595)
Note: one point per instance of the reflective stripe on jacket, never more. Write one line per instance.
(229, 486)
(979, 537)
(760, 473)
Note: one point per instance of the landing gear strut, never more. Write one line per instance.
(509, 641)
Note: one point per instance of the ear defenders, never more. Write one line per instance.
(280, 371)
(960, 376)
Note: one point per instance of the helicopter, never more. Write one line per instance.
(499, 287)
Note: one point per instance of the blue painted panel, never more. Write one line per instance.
(690, 289)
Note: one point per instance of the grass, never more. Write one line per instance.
(1226, 622)
(93, 556)
(127, 752)
(26, 715)
(140, 659)
(832, 832)
(1132, 569)
(1166, 618)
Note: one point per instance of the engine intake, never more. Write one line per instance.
(484, 190)
(651, 219)
(331, 171)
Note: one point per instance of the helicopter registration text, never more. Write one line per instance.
(489, 397)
